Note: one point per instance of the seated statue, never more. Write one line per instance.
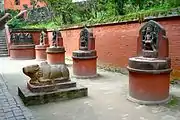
(45, 74)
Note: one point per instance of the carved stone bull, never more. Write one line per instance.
(45, 73)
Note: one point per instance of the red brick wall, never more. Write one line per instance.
(10, 4)
(116, 43)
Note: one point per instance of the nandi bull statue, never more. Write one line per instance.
(45, 74)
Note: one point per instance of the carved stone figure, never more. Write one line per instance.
(54, 38)
(29, 38)
(42, 38)
(149, 38)
(13, 38)
(84, 36)
(45, 74)
(21, 37)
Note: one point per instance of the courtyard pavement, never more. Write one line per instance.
(107, 99)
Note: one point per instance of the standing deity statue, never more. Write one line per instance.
(42, 38)
(13, 38)
(54, 38)
(84, 37)
(149, 41)
(21, 37)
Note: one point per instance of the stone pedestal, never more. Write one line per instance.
(22, 51)
(84, 64)
(149, 80)
(55, 55)
(41, 52)
(149, 72)
(85, 59)
(48, 84)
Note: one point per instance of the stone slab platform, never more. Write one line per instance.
(30, 98)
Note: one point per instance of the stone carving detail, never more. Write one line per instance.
(21, 38)
(45, 74)
(42, 38)
(150, 37)
(56, 34)
(39, 15)
(84, 37)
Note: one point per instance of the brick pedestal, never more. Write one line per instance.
(41, 52)
(55, 55)
(22, 51)
(149, 80)
(84, 64)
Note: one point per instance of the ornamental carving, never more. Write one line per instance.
(42, 38)
(21, 38)
(150, 37)
(84, 37)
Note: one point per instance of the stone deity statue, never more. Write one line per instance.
(42, 38)
(149, 41)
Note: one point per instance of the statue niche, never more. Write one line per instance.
(152, 41)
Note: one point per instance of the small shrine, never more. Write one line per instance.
(149, 72)
(85, 59)
(22, 46)
(49, 83)
(56, 52)
(41, 48)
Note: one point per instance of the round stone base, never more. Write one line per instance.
(142, 102)
(22, 51)
(84, 68)
(41, 52)
(55, 55)
(56, 58)
(149, 87)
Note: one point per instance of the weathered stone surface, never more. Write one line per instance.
(45, 74)
(30, 98)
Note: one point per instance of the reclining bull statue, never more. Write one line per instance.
(46, 74)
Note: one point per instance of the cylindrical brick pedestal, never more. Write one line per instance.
(22, 51)
(55, 55)
(41, 52)
(149, 80)
(84, 64)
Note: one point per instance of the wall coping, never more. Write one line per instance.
(163, 18)
(28, 29)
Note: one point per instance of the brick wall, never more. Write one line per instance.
(10, 4)
(117, 42)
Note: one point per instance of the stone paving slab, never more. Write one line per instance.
(107, 98)
(10, 108)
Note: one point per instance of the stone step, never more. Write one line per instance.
(2, 42)
(3, 52)
(3, 46)
(30, 98)
(2, 49)
(4, 55)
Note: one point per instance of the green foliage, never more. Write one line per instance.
(12, 12)
(66, 13)
(174, 102)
